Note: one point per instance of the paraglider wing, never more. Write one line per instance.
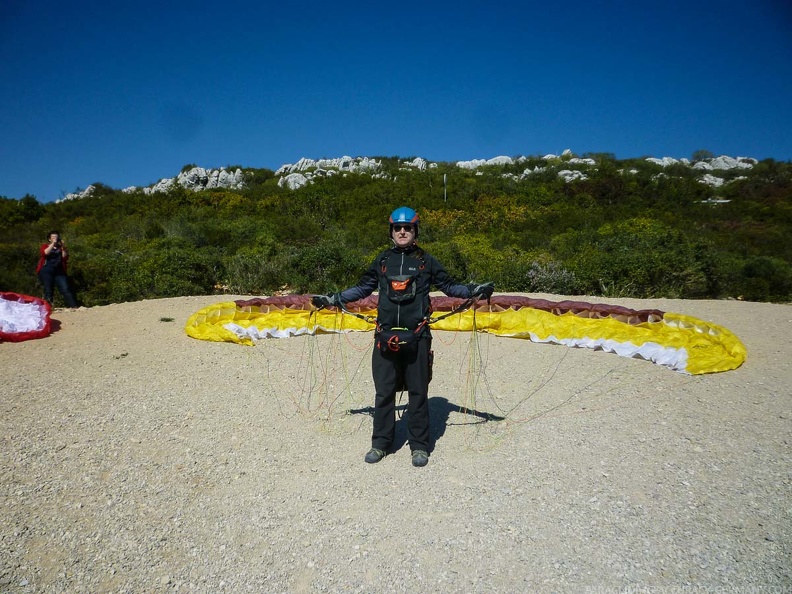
(677, 341)
(23, 317)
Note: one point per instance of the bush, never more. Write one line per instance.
(635, 258)
(626, 231)
(551, 277)
(451, 257)
(251, 272)
(766, 279)
(156, 271)
(327, 266)
(18, 269)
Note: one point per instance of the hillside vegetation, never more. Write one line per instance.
(631, 229)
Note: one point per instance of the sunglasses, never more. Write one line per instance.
(407, 228)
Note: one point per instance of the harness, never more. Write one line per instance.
(400, 337)
(401, 289)
(429, 320)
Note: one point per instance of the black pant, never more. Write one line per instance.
(50, 278)
(389, 370)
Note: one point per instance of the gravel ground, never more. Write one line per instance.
(136, 459)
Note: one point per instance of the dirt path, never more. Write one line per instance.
(136, 459)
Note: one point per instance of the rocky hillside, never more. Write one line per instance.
(295, 175)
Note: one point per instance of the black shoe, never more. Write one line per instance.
(374, 455)
(420, 458)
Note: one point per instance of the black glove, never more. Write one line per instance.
(322, 301)
(482, 291)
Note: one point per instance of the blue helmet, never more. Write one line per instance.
(404, 214)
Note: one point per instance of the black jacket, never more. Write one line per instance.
(404, 278)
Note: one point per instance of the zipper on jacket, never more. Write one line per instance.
(398, 305)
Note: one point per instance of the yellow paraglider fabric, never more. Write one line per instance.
(680, 342)
(226, 322)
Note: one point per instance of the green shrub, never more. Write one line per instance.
(327, 265)
(18, 269)
(634, 258)
(766, 278)
(160, 271)
(450, 256)
(626, 231)
(551, 277)
(252, 272)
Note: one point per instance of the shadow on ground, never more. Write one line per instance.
(440, 410)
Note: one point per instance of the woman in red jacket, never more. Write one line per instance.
(51, 269)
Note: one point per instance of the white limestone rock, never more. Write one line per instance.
(500, 161)
(530, 171)
(194, 178)
(711, 180)
(76, 195)
(476, 163)
(307, 170)
(198, 178)
(664, 162)
(344, 164)
(567, 153)
(293, 181)
(570, 175)
(226, 179)
(725, 163)
(417, 163)
(163, 185)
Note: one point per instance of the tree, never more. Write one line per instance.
(702, 155)
(30, 208)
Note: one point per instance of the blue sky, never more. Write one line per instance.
(126, 93)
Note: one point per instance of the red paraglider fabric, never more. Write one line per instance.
(23, 317)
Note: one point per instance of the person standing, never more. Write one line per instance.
(51, 269)
(404, 275)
